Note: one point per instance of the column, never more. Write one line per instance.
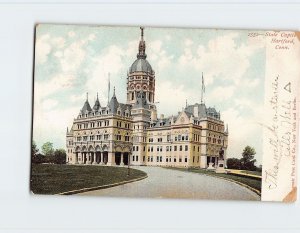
(111, 159)
(89, 161)
(81, 156)
(94, 162)
(101, 158)
(76, 158)
(122, 161)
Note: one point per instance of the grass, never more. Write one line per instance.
(54, 179)
(257, 173)
(253, 183)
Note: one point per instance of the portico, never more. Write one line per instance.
(96, 156)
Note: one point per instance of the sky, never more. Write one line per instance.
(71, 61)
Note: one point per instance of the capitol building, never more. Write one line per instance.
(117, 134)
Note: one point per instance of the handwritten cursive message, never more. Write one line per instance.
(282, 139)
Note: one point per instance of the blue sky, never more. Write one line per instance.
(73, 60)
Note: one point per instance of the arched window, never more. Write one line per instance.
(132, 96)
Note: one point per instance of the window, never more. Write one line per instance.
(157, 158)
(133, 158)
(179, 137)
(144, 149)
(175, 148)
(132, 96)
(167, 149)
(180, 148)
(137, 148)
(160, 159)
(137, 158)
(186, 147)
(186, 137)
(182, 138)
(175, 160)
(133, 148)
(180, 159)
(157, 149)
(175, 138)
(91, 138)
(159, 140)
(151, 148)
(84, 138)
(185, 159)
(168, 138)
(143, 158)
(105, 136)
(161, 148)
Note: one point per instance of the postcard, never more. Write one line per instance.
(183, 113)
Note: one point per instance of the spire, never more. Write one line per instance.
(114, 95)
(186, 103)
(142, 33)
(67, 129)
(87, 96)
(142, 46)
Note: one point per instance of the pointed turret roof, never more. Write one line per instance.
(86, 107)
(97, 105)
(113, 103)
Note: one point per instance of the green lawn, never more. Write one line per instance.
(257, 173)
(53, 178)
(253, 183)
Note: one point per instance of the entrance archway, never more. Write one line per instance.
(118, 158)
(105, 157)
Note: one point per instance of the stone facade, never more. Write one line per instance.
(131, 133)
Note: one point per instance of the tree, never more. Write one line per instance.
(34, 149)
(60, 156)
(233, 163)
(247, 160)
(47, 149)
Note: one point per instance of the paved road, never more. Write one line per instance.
(167, 183)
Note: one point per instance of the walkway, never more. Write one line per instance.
(168, 183)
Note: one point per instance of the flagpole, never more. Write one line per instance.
(108, 89)
(202, 89)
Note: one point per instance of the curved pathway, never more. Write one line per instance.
(168, 183)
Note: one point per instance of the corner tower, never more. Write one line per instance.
(141, 77)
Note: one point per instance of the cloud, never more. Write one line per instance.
(222, 93)
(72, 57)
(221, 58)
(42, 49)
(55, 84)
